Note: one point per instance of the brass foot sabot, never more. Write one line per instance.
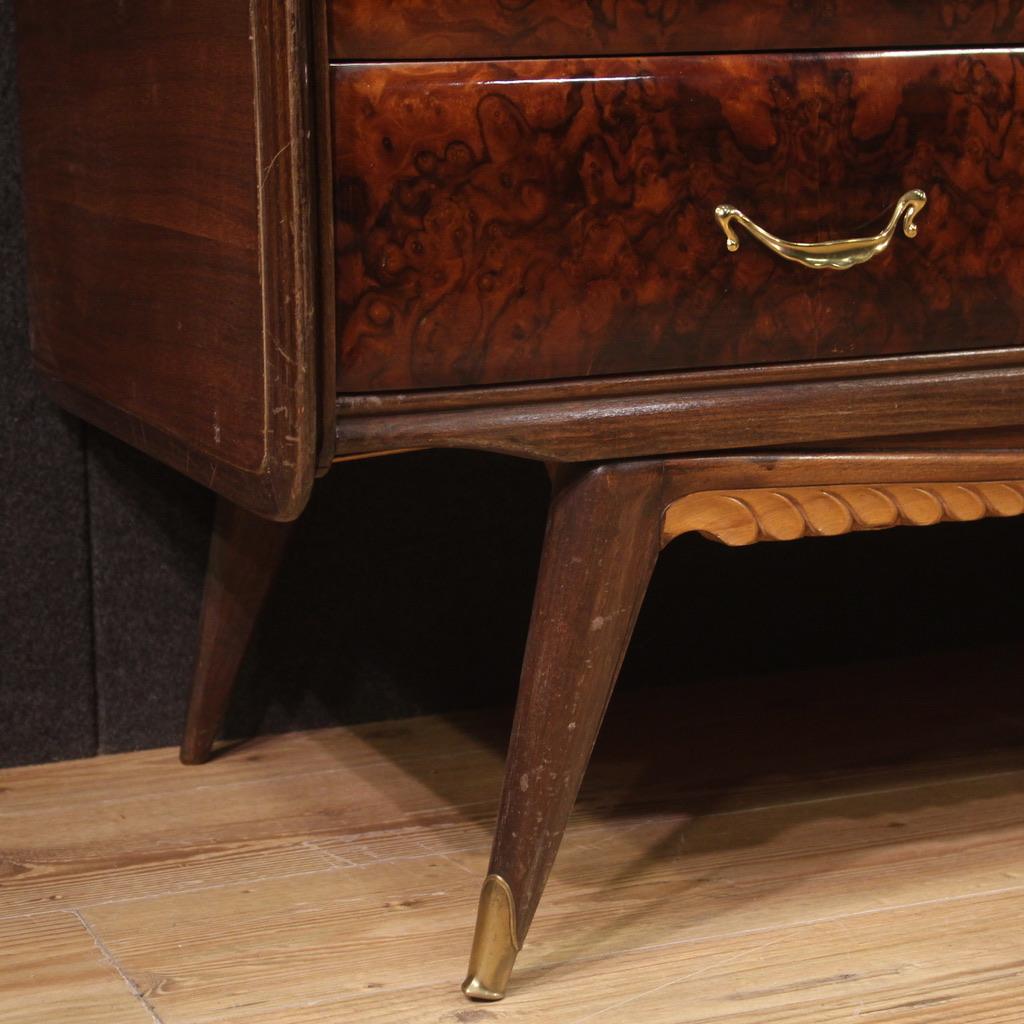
(495, 944)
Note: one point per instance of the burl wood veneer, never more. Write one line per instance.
(528, 259)
(390, 29)
(515, 221)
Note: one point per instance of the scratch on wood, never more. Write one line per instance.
(281, 352)
(741, 955)
(277, 156)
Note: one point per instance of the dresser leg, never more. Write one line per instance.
(245, 552)
(603, 538)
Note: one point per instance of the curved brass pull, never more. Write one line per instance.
(838, 255)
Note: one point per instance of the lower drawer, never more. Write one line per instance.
(529, 220)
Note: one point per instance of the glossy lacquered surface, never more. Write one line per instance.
(516, 221)
(390, 29)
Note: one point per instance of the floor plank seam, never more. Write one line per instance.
(333, 864)
(334, 859)
(743, 954)
(262, 780)
(352, 768)
(110, 959)
(426, 854)
(34, 915)
(412, 820)
(170, 893)
(618, 954)
(373, 859)
(704, 793)
(720, 937)
(458, 1000)
(451, 860)
(855, 794)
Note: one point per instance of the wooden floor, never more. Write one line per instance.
(830, 846)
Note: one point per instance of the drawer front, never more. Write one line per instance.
(514, 221)
(392, 29)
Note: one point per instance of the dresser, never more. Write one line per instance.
(748, 269)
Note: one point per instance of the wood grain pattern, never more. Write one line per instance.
(991, 439)
(761, 470)
(245, 553)
(846, 878)
(321, 131)
(705, 418)
(53, 970)
(600, 548)
(389, 29)
(532, 220)
(168, 169)
(637, 384)
(743, 517)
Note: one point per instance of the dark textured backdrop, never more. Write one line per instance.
(408, 585)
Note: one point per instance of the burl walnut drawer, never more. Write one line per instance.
(540, 219)
(393, 29)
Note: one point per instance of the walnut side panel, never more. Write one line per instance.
(166, 180)
(532, 220)
(392, 29)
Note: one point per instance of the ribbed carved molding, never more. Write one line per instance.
(740, 517)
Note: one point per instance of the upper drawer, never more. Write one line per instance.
(532, 220)
(393, 29)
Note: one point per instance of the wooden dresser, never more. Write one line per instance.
(751, 268)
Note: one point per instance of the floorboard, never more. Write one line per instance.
(835, 845)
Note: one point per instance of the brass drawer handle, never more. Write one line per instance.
(838, 255)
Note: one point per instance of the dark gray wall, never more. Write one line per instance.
(47, 684)
(408, 585)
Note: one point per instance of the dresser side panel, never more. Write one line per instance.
(148, 129)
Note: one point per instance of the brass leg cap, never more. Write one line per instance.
(474, 989)
(495, 945)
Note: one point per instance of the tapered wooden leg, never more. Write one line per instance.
(245, 552)
(602, 541)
